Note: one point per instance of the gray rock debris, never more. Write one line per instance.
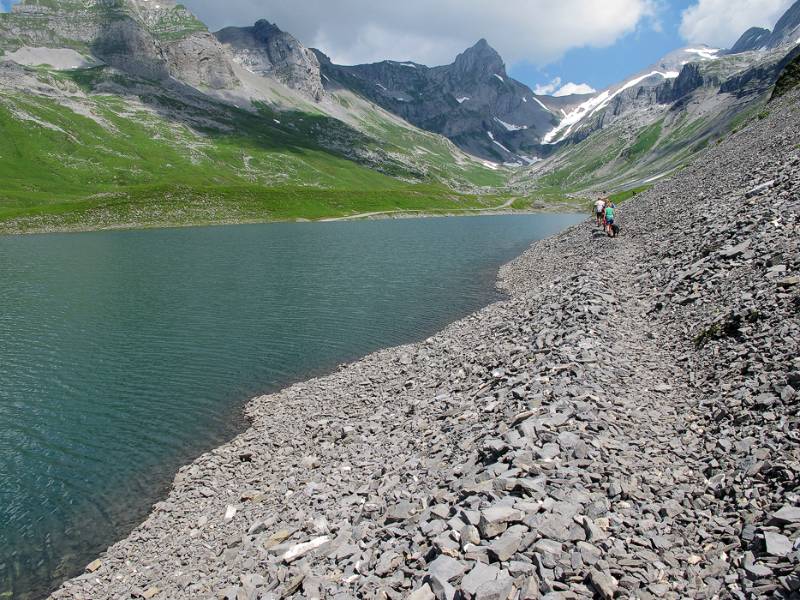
(631, 433)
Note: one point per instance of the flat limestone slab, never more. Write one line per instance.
(59, 58)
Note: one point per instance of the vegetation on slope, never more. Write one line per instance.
(110, 160)
(789, 79)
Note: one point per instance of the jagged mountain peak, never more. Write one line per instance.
(479, 60)
(752, 39)
(265, 28)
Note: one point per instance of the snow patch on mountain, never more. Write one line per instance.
(704, 53)
(503, 147)
(500, 78)
(571, 119)
(510, 126)
(593, 105)
(462, 100)
(539, 102)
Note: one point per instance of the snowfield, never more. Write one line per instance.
(539, 102)
(510, 127)
(591, 106)
(704, 53)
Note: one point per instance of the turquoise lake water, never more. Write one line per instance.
(124, 355)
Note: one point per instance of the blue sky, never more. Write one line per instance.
(602, 67)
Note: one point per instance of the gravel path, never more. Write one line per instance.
(624, 425)
(385, 213)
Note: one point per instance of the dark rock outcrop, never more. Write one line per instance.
(690, 79)
(754, 38)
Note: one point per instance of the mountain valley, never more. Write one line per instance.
(127, 113)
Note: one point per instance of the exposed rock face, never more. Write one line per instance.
(124, 44)
(472, 101)
(630, 434)
(199, 60)
(266, 50)
(787, 29)
(754, 38)
(141, 37)
(688, 81)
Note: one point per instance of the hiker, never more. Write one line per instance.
(599, 211)
(610, 218)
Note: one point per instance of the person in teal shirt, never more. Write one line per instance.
(610, 218)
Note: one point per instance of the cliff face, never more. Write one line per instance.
(140, 37)
(787, 29)
(266, 50)
(472, 101)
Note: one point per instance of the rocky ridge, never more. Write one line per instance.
(754, 38)
(146, 39)
(472, 101)
(623, 425)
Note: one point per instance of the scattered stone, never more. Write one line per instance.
(422, 593)
(230, 512)
(499, 589)
(446, 568)
(604, 584)
(584, 437)
(300, 550)
(494, 520)
(777, 544)
(787, 515)
(480, 574)
(94, 566)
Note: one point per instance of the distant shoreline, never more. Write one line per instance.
(410, 214)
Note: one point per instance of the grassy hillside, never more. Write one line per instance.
(84, 158)
(624, 156)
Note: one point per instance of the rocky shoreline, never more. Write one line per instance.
(624, 425)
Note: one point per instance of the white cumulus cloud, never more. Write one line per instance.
(721, 22)
(434, 32)
(574, 88)
(556, 88)
(547, 89)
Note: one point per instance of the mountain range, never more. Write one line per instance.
(131, 113)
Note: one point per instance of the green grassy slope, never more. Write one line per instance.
(618, 158)
(106, 160)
